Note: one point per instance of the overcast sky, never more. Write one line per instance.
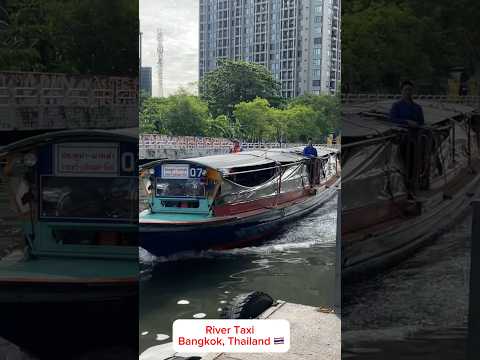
(179, 21)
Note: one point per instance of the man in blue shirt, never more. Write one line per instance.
(405, 111)
(309, 150)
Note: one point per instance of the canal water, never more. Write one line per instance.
(418, 310)
(298, 265)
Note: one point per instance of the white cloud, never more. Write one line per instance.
(178, 20)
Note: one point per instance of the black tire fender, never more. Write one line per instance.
(247, 306)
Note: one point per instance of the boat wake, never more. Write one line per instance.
(315, 230)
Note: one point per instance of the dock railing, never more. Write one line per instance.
(470, 100)
(151, 145)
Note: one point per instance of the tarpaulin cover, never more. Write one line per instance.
(374, 161)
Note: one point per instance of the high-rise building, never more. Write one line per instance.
(297, 40)
(146, 80)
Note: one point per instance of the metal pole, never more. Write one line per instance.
(338, 262)
(474, 313)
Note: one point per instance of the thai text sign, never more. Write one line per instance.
(91, 159)
(175, 171)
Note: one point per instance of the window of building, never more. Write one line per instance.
(317, 52)
(317, 19)
(318, 9)
(317, 41)
(316, 74)
(316, 83)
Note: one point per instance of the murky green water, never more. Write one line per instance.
(418, 310)
(298, 266)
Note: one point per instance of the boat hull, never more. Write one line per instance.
(165, 239)
(388, 247)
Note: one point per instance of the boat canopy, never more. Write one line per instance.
(373, 119)
(256, 158)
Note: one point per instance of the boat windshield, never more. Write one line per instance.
(179, 188)
(102, 198)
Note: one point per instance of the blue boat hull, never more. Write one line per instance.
(163, 239)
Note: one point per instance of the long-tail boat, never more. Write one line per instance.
(232, 200)
(401, 187)
(76, 195)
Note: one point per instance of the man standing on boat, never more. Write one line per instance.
(406, 112)
(309, 150)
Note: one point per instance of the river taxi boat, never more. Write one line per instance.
(233, 200)
(76, 195)
(414, 183)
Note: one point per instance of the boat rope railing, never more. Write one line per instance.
(267, 168)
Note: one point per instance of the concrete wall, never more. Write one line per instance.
(46, 101)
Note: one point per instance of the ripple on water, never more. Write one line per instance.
(162, 337)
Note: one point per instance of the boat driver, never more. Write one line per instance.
(406, 112)
(309, 150)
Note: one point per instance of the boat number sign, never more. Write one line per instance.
(95, 159)
(181, 171)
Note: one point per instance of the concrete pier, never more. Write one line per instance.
(315, 334)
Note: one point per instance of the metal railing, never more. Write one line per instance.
(474, 312)
(470, 100)
(157, 141)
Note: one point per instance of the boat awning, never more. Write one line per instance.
(247, 158)
(373, 119)
(256, 158)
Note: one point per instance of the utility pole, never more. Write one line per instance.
(474, 312)
(160, 53)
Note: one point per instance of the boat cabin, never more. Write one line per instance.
(222, 185)
(76, 192)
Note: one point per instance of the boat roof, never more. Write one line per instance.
(127, 134)
(250, 158)
(373, 118)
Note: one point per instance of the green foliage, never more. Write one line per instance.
(181, 114)
(386, 41)
(254, 118)
(236, 81)
(73, 36)
(327, 109)
(309, 116)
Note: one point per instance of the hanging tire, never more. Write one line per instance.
(247, 306)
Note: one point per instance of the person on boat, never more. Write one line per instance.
(236, 147)
(406, 112)
(309, 150)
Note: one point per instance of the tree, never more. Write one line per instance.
(384, 42)
(327, 108)
(254, 119)
(234, 82)
(72, 36)
(180, 114)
